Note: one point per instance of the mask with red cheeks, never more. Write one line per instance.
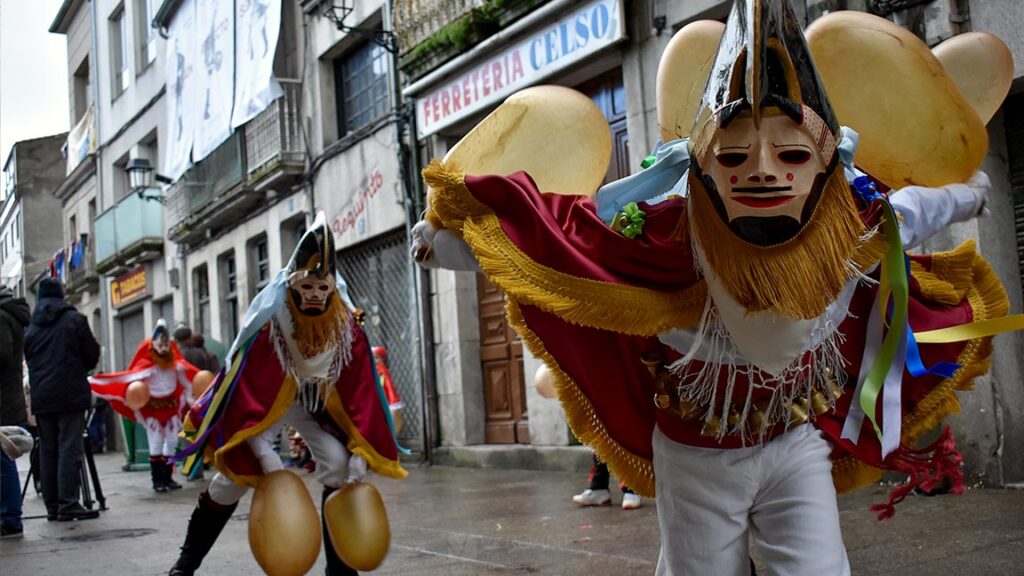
(764, 182)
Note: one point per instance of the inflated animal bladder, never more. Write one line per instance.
(982, 67)
(556, 134)
(915, 126)
(358, 525)
(136, 395)
(201, 381)
(682, 74)
(284, 527)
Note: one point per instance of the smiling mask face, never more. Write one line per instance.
(764, 182)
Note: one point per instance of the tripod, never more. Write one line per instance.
(89, 479)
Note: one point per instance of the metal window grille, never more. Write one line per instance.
(380, 281)
(1013, 110)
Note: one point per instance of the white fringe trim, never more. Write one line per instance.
(314, 390)
(816, 370)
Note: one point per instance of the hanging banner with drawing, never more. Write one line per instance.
(258, 24)
(214, 73)
(180, 79)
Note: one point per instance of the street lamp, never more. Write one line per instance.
(140, 174)
(140, 179)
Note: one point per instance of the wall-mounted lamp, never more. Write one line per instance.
(140, 179)
(338, 10)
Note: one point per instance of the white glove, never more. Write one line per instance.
(15, 441)
(356, 469)
(421, 244)
(980, 186)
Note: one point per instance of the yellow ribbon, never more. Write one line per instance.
(972, 330)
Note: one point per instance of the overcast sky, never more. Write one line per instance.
(33, 73)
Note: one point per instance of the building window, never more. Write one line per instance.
(229, 291)
(259, 264)
(119, 49)
(201, 294)
(146, 36)
(165, 309)
(82, 83)
(361, 87)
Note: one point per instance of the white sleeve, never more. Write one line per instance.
(262, 447)
(433, 248)
(925, 211)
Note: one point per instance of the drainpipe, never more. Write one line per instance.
(411, 188)
(94, 70)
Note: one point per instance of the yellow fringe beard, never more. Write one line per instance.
(801, 277)
(313, 334)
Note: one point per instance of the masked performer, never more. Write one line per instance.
(299, 359)
(761, 299)
(159, 367)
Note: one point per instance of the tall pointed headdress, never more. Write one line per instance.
(314, 254)
(763, 61)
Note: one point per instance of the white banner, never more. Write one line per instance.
(215, 74)
(577, 35)
(258, 23)
(181, 91)
(81, 140)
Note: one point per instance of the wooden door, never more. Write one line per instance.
(501, 360)
(501, 352)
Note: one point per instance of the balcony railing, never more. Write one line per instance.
(223, 186)
(130, 232)
(417, 20)
(85, 275)
(431, 32)
(273, 138)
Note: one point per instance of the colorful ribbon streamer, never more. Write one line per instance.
(972, 330)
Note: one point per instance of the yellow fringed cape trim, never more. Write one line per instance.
(358, 445)
(592, 303)
(949, 274)
(634, 471)
(285, 398)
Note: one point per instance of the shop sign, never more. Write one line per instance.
(572, 38)
(129, 287)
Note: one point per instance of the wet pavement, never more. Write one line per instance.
(465, 521)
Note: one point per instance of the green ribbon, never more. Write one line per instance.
(895, 286)
(629, 221)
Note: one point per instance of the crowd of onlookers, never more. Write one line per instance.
(53, 349)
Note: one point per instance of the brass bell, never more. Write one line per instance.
(652, 361)
(687, 409)
(710, 427)
(818, 403)
(734, 417)
(662, 400)
(756, 420)
(798, 412)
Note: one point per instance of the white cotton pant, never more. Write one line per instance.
(329, 452)
(711, 500)
(162, 438)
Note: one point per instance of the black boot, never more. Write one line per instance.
(156, 471)
(207, 522)
(169, 476)
(335, 565)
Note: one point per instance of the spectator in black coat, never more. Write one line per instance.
(14, 316)
(60, 350)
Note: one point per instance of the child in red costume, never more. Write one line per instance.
(160, 366)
